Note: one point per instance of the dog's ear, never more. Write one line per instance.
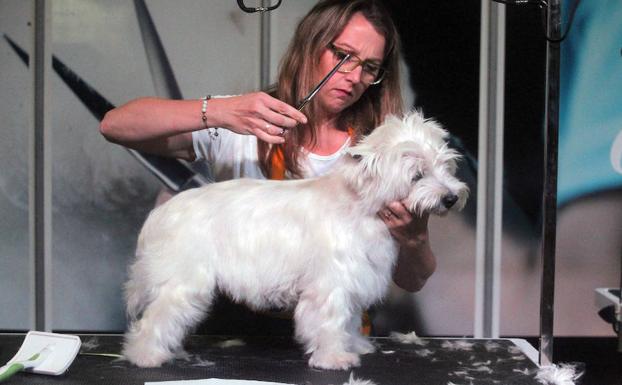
(365, 156)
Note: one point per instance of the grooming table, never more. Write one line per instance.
(279, 359)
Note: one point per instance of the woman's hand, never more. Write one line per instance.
(404, 227)
(416, 262)
(256, 114)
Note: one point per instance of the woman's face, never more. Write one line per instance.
(342, 90)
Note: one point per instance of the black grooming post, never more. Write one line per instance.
(549, 196)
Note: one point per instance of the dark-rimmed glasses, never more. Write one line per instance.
(371, 74)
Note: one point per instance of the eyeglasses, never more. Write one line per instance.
(372, 73)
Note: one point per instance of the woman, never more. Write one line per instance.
(259, 135)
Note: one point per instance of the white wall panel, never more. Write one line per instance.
(213, 46)
(15, 123)
(101, 195)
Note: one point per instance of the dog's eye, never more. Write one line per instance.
(417, 177)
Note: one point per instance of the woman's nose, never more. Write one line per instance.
(355, 75)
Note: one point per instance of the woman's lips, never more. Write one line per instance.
(343, 92)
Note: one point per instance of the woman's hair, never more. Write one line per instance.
(316, 31)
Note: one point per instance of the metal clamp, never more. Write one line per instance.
(257, 9)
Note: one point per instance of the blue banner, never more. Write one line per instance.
(590, 133)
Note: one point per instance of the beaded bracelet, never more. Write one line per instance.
(212, 131)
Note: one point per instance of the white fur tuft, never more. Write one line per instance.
(408, 338)
(562, 374)
(358, 381)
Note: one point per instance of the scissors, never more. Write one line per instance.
(321, 84)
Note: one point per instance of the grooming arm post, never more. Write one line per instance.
(549, 199)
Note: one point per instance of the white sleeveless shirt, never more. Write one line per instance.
(231, 156)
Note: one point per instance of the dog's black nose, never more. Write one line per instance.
(449, 200)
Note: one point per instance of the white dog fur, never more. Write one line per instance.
(316, 245)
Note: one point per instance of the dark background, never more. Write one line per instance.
(441, 47)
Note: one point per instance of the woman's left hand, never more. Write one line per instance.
(404, 227)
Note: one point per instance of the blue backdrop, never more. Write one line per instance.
(590, 136)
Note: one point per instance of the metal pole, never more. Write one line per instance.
(490, 170)
(264, 56)
(549, 198)
(40, 169)
(619, 316)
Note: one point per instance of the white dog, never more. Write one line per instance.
(317, 245)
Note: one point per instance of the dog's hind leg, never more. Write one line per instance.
(321, 322)
(158, 335)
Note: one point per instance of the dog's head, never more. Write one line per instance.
(408, 160)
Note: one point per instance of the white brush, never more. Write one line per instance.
(43, 353)
(10, 369)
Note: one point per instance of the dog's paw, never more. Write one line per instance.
(148, 358)
(362, 345)
(334, 360)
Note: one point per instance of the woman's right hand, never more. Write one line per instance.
(256, 114)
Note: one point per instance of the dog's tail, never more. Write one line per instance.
(135, 300)
(138, 293)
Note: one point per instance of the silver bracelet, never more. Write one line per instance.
(213, 131)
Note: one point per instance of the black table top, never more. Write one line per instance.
(280, 359)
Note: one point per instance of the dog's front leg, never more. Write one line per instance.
(358, 343)
(321, 324)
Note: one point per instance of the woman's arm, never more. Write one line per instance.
(416, 261)
(164, 126)
(154, 125)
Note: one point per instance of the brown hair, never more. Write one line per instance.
(318, 28)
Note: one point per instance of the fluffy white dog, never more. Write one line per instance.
(317, 245)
